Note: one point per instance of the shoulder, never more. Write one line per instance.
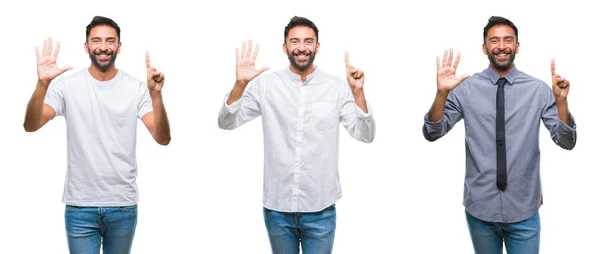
(74, 78)
(532, 83)
(477, 78)
(129, 79)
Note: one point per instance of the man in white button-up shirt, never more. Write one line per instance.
(301, 108)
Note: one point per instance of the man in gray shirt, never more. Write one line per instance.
(502, 108)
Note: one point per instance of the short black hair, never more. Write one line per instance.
(497, 20)
(102, 21)
(300, 21)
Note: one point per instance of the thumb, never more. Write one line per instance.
(462, 78)
(263, 69)
(63, 69)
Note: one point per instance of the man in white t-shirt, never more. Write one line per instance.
(101, 105)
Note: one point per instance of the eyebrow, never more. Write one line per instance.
(505, 37)
(306, 39)
(108, 38)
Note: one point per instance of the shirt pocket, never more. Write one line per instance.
(323, 115)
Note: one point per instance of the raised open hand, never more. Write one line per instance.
(245, 70)
(356, 77)
(47, 69)
(156, 79)
(446, 72)
(560, 86)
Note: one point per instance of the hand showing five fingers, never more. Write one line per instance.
(446, 72)
(356, 77)
(245, 70)
(156, 79)
(46, 62)
(560, 86)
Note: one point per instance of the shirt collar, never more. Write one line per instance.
(297, 77)
(494, 77)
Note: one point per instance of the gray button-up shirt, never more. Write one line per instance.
(301, 123)
(527, 100)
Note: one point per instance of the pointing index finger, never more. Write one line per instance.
(346, 58)
(147, 59)
(552, 69)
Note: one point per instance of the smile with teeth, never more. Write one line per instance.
(502, 56)
(103, 56)
(301, 57)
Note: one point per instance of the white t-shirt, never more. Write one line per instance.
(101, 119)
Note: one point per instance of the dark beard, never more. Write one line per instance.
(296, 65)
(102, 67)
(499, 66)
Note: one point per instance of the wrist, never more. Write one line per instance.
(560, 100)
(241, 83)
(442, 93)
(358, 92)
(156, 95)
(43, 83)
(561, 103)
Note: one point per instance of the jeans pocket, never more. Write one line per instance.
(72, 208)
(131, 208)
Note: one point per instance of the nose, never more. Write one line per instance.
(103, 45)
(502, 44)
(302, 46)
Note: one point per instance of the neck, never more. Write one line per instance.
(106, 75)
(502, 72)
(303, 74)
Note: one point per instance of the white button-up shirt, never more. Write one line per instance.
(301, 134)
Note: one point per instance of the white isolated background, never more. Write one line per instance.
(202, 193)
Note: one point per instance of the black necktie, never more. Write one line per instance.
(500, 144)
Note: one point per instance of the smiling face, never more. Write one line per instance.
(501, 47)
(301, 47)
(103, 45)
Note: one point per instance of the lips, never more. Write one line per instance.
(502, 56)
(301, 57)
(103, 57)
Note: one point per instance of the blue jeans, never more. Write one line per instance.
(520, 237)
(313, 231)
(89, 227)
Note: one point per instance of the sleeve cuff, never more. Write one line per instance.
(564, 128)
(362, 115)
(235, 106)
(433, 126)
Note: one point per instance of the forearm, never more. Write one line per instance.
(162, 132)
(35, 107)
(436, 112)
(563, 111)
(360, 100)
(236, 92)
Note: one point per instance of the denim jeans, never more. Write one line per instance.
(314, 232)
(89, 227)
(520, 237)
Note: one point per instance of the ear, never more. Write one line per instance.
(317, 49)
(86, 48)
(119, 47)
(484, 49)
(284, 48)
(517, 48)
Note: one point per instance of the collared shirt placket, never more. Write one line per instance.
(298, 149)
